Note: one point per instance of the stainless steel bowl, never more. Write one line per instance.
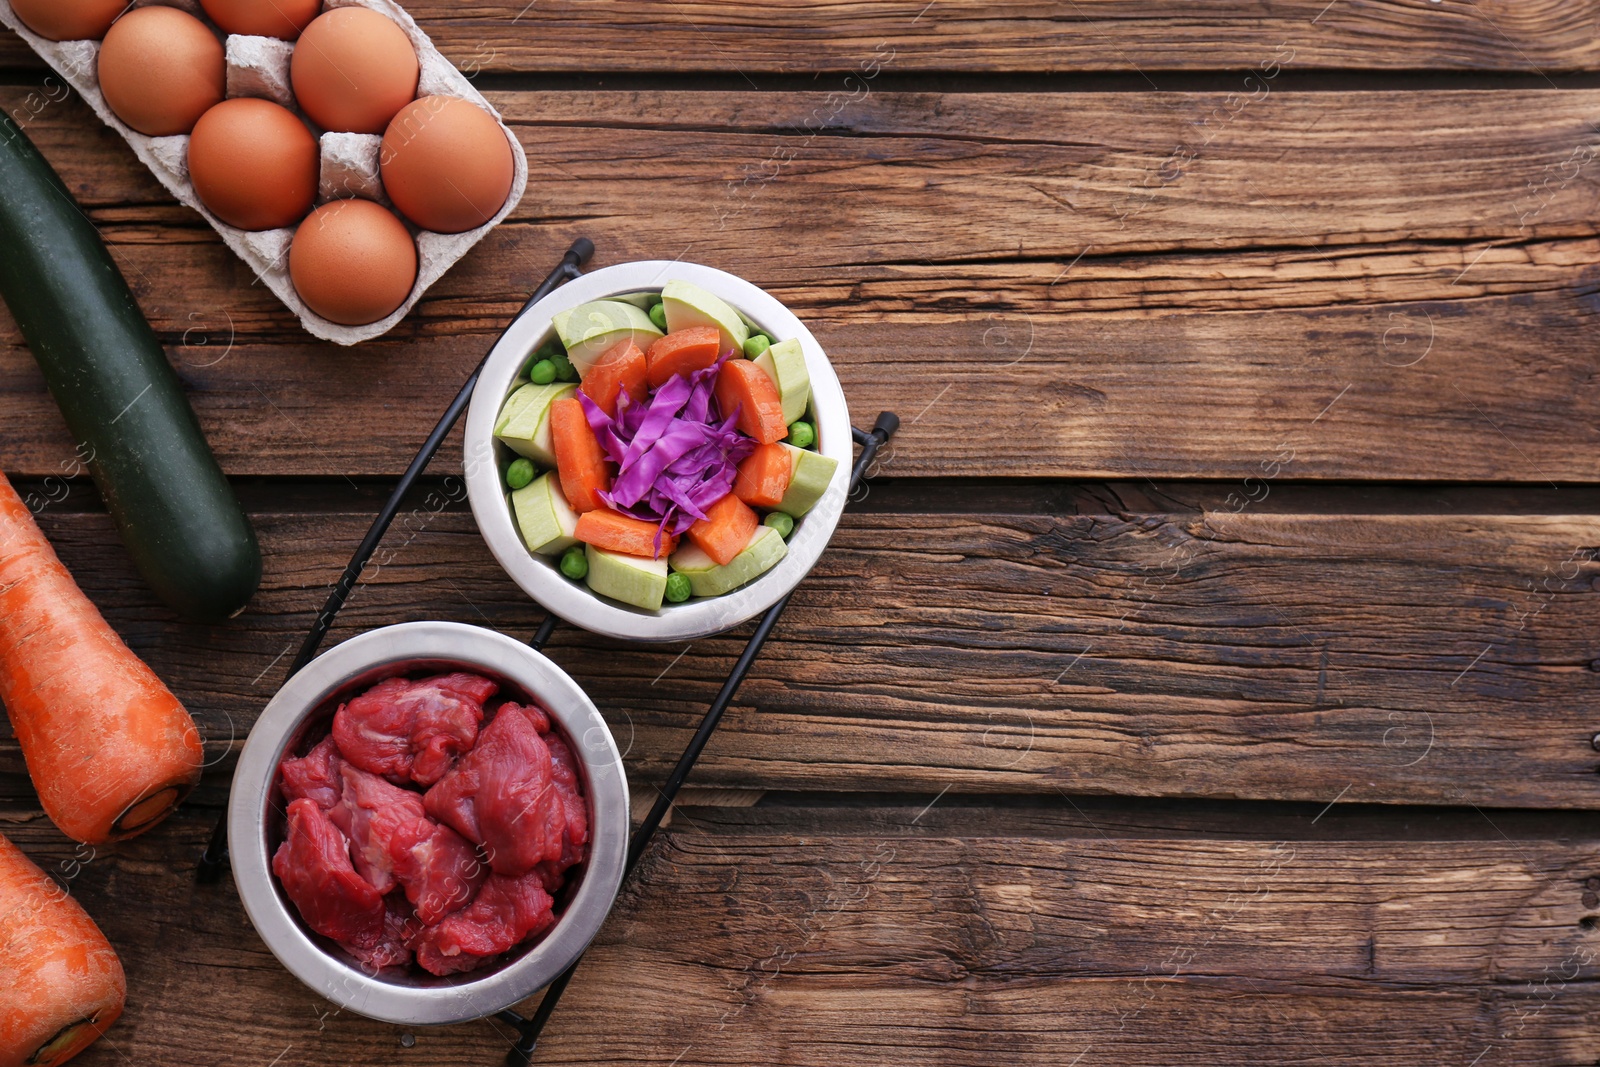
(539, 576)
(255, 818)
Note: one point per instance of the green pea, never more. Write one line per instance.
(757, 344)
(520, 473)
(658, 315)
(677, 587)
(574, 564)
(802, 435)
(542, 372)
(565, 371)
(781, 521)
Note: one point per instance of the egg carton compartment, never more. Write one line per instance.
(258, 66)
(350, 167)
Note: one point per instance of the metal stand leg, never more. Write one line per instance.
(542, 636)
(216, 853)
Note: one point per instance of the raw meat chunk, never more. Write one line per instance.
(399, 923)
(313, 863)
(393, 841)
(371, 812)
(507, 912)
(575, 810)
(439, 869)
(314, 776)
(511, 795)
(536, 715)
(412, 731)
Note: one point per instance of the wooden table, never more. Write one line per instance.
(1208, 675)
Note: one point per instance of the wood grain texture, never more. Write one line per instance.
(1354, 246)
(721, 36)
(909, 946)
(1390, 658)
(1035, 773)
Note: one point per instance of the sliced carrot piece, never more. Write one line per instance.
(683, 352)
(725, 530)
(580, 464)
(743, 385)
(615, 532)
(764, 476)
(622, 366)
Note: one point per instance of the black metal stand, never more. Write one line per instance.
(529, 1029)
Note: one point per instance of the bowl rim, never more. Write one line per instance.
(302, 695)
(577, 604)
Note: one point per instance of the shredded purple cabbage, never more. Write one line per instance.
(676, 454)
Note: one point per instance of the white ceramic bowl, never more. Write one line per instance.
(540, 576)
(255, 819)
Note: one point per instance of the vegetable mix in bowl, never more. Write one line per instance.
(664, 448)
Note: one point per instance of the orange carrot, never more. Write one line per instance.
(110, 749)
(683, 352)
(615, 532)
(764, 476)
(579, 462)
(64, 986)
(725, 530)
(622, 366)
(743, 385)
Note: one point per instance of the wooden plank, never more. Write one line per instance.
(1356, 246)
(994, 176)
(723, 37)
(911, 947)
(1438, 658)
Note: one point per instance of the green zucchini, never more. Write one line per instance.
(121, 399)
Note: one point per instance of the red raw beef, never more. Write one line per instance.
(439, 869)
(506, 912)
(313, 863)
(394, 841)
(412, 731)
(399, 923)
(515, 794)
(314, 776)
(537, 716)
(575, 810)
(373, 863)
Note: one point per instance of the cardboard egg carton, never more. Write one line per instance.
(259, 66)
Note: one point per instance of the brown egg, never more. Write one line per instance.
(353, 69)
(160, 70)
(254, 164)
(69, 20)
(353, 262)
(283, 19)
(446, 164)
